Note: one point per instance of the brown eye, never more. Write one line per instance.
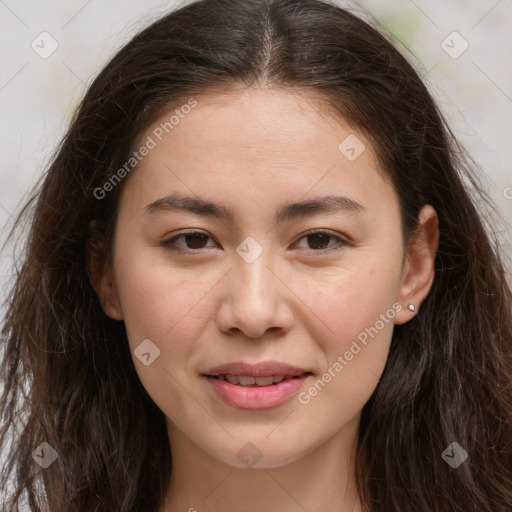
(193, 240)
(319, 241)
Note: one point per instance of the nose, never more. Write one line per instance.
(257, 300)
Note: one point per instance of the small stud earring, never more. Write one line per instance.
(412, 307)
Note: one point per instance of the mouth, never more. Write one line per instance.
(252, 392)
(255, 386)
(258, 382)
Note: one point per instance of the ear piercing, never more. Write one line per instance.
(412, 307)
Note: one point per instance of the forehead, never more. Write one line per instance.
(247, 117)
(272, 141)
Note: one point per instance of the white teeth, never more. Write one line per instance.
(264, 381)
(232, 379)
(246, 380)
(249, 380)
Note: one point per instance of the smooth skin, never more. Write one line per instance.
(302, 301)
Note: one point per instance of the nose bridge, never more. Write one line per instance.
(253, 269)
(257, 297)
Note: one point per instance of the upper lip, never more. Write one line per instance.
(262, 369)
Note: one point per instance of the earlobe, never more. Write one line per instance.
(102, 279)
(418, 273)
(108, 296)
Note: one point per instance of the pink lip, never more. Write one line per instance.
(263, 369)
(248, 397)
(256, 397)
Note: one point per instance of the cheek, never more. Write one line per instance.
(171, 312)
(159, 304)
(354, 313)
(348, 300)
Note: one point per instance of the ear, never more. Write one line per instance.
(101, 276)
(418, 271)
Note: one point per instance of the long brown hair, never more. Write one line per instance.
(66, 366)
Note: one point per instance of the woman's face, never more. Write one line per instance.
(253, 287)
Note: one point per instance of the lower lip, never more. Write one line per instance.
(248, 397)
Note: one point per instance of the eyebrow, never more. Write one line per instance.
(199, 206)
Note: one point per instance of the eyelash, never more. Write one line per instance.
(168, 244)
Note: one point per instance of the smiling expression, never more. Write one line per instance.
(247, 236)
